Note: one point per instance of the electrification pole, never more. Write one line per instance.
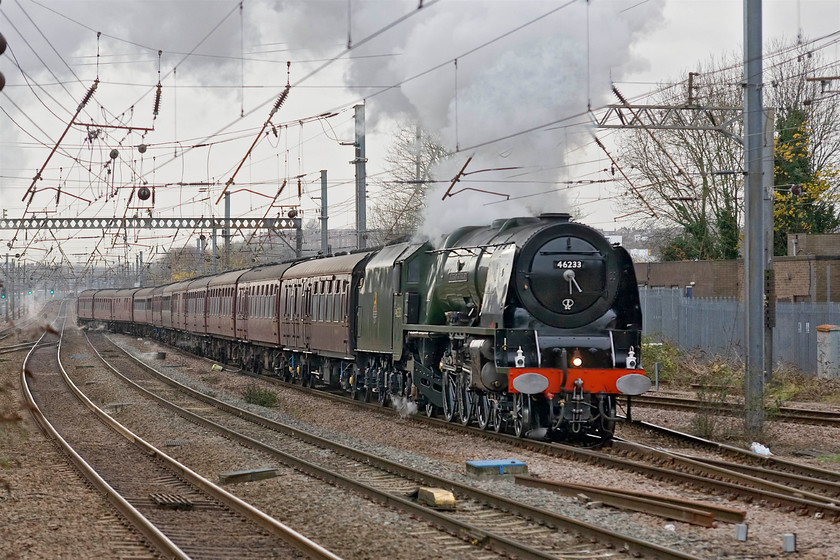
(325, 234)
(360, 161)
(769, 167)
(226, 231)
(754, 219)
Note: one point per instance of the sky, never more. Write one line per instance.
(512, 84)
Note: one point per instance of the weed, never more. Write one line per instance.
(714, 388)
(254, 394)
(667, 355)
(829, 458)
(788, 383)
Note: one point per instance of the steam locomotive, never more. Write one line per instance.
(530, 324)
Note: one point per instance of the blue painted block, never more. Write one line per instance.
(496, 467)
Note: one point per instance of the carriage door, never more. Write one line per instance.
(306, 317)
(242, 314)
(297, 317)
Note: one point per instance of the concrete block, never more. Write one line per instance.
(437, 498)
(741, 531)
(496, 468)
(789, 542)
(828, 352)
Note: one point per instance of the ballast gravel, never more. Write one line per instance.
(47, 512)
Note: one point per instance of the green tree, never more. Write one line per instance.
(804, 197)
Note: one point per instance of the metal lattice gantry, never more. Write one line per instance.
(688, 117)
(30, 224)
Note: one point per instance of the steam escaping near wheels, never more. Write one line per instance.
(405, 407)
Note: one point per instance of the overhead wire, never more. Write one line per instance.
(520, 132)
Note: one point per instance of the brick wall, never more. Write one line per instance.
(800, 278)
(710, 278)
(800, 244)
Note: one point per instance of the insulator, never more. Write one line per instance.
(281, 99)
(157, 99)
(89, 94)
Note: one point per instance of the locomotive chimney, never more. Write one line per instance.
(559, 216)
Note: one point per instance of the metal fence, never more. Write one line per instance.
(716, 325)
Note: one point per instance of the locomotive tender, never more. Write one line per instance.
(531, 324)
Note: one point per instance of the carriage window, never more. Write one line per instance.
(330, 307)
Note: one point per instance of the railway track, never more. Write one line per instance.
(16, 347)
(786, 414)
(482, 518)
(179, 514)
(822, 484)
(775, 483)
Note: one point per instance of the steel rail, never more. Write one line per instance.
(775, 495)
(289, 535)
(780, 496)
(17, 347)
(148, 530)
(827, 487)
(692, 464)
(785, 413)
(767, 460)
(471, 532)
(689, 511)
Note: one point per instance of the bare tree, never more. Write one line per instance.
(398, 208)
(692, 178)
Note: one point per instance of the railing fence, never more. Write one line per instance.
(716, 325)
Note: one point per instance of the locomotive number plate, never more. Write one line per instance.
(568, 264)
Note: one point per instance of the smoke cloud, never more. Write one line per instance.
(504, 83)
(541, 77)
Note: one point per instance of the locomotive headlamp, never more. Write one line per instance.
(576, 359)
